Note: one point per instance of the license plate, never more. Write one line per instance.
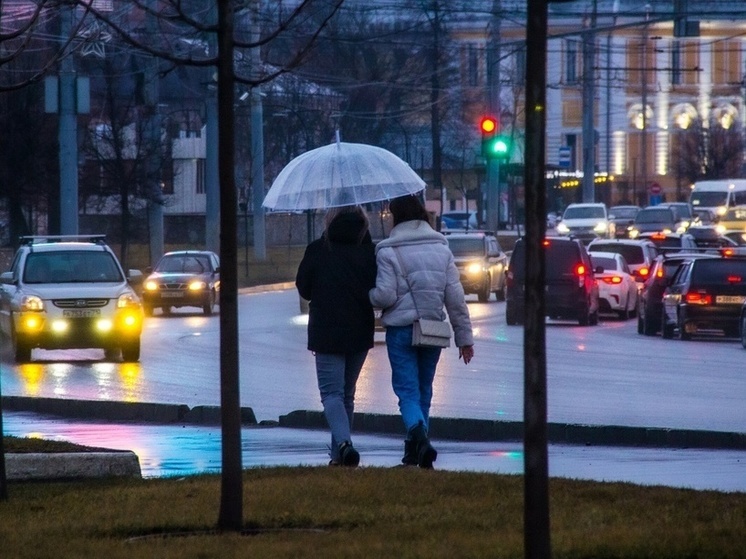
(730, 299)
(172, 294)
(81, 313)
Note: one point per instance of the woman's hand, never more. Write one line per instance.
(466, 353)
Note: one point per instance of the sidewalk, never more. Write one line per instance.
(187, 449)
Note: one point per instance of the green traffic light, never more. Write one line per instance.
(498, 148)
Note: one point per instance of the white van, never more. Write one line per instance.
(718, 195)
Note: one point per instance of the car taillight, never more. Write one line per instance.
(644, 272)
(734, 279)
(580, 272)
(612, 279)
(726, 252)
(659, 273)
(694, 298)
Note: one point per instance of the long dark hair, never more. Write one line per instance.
(334, 213)
(408, 208)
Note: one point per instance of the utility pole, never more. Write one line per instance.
(589, 131)
(68, 133)
(257, 142)
(212, 187)
(536, 455)
(155, 199)
(644, 131)
(493, 103)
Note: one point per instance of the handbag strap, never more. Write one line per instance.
(406, 278)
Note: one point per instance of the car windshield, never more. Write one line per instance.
(71, 266)
(584, 212)
(463, 246)
(624, 213)
(604, 262)
(654, 216)
(709, 199)
(632, 253)
(183, 264)
(719, 271)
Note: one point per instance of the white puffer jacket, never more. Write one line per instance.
(433, 277)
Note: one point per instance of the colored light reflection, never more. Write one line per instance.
(32, 375)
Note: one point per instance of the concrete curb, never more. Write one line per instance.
(71, 465)
(440, 428)
(557, 433)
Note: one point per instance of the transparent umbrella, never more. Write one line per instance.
(341, 174)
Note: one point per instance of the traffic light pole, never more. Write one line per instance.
(493, 194)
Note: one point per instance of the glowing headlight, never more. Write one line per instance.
(562, 228)
(474, 268)
(151, 285)
(666, 231)
(633, 233)
(684, 224)
(721, 210)
(600, 227)
(104, 325)
(32, 303)
(197, 285)
(720, 229)
(60, 326)
(127, 300)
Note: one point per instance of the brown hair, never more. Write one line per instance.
(408, 208)
(334, 213)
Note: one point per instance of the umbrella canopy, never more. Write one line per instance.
(341, 174)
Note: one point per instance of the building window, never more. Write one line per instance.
(571, 62)
(473, 65)
(520, 63)
(200, 176)
(676, 64)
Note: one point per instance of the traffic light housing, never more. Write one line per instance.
(494, 145)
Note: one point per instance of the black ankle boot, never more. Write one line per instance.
(410, 453)
(424, 451)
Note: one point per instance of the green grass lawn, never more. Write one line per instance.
(365, 512)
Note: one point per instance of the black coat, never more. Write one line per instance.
(335, 275)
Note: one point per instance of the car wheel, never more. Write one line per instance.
(483, 295)
(584, 315)
(593, 320)
(209, 306)
(511, 315)
(131, 350)
(502, 293)
(148, 310)
(166, 309)
(666, 328)
(112, 353)
(683, 334)
(625, 314)
(640, 324)
(743, 331)
(648, 328)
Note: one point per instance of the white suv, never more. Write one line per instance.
(69, 291)
(586, 222)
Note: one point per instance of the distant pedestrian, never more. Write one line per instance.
(335, 275)
(429, 282)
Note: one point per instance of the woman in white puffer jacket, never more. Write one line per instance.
(430, 279)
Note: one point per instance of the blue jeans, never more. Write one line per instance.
(412, 374)
(337, 377)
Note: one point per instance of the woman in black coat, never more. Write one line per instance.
(335, 275)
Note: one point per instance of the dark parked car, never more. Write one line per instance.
(654, 220)
(571, 288)
(622, 217)
(651, 295)
(705, 294)
(481, 263)
(184, 278)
